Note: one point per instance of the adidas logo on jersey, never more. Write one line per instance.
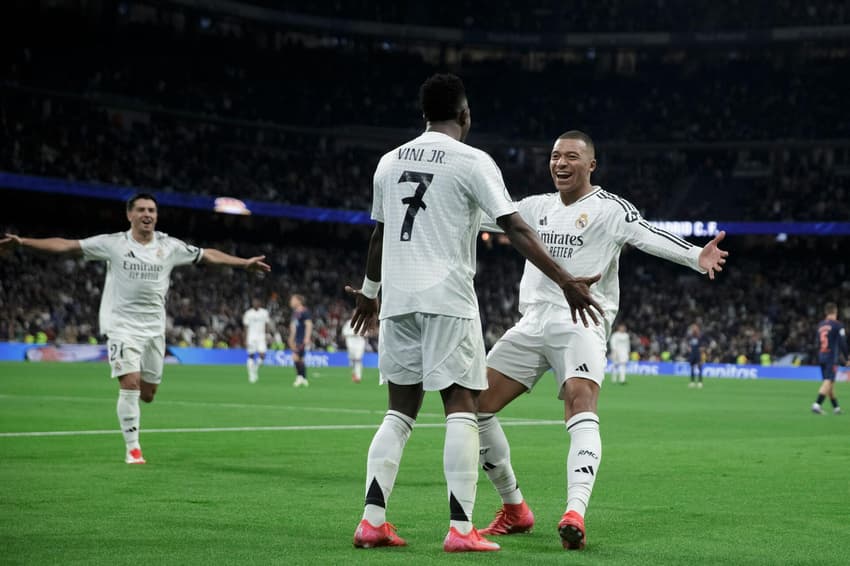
(130, 254)
(544, 221)
(583, 367)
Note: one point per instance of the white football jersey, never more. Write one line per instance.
(429, 193)
(255, 320)
(586, 238)
(620, 343)
(137, 280)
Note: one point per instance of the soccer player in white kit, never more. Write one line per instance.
(584, 227)
(132, 308)
(355, 346)
(256, 321)
(427, 203)
(620, 344)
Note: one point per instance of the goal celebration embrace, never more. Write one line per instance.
(568, 301)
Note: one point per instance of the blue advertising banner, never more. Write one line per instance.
(11, 351)
(273, 357)
(230, 205)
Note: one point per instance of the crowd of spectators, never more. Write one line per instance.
(76, 140)
(767, 300)
(749, 93)
(599, 16)
(302, 118)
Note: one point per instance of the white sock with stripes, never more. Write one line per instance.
(382, 464)
(460, 464)
(583, 459)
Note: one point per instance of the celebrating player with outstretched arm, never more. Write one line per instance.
(132, 308)
(427, 203)
(585, 228)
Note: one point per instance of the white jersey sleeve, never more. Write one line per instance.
(631, 228)
(98, 248)
(183, 253)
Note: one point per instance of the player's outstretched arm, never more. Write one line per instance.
(576, 289)
(50, 245)
(218, 257)
(712, 258)
(365, 317)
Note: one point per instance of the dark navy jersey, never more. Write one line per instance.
(695, 343)
(832, 340)
(300, 319)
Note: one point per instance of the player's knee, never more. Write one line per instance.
(146, 396)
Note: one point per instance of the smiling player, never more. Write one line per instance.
(132, 308)
(584, 228)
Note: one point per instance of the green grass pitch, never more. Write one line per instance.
(739, 472)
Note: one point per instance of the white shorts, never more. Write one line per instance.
(546, 338)
(619, 357)
(130, 355)
(355, 345)
(256, 345)
(434, 350)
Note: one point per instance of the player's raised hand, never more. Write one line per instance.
(577, 293)
(365, 317)
(257, 264)
(712, 258)
(9, 242)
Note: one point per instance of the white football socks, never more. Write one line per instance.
(382, 464)
(496, 458)
(358, 369)
(583, 459)
(129, 416)
(460, 464)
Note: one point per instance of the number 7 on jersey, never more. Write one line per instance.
(414, 203)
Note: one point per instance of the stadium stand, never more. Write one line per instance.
(212, 104)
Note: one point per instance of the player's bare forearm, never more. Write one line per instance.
(374, 256)
(49, 245)
(576, 289)
(218, 257)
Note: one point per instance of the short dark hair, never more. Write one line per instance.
(441, 97)
(579, 135)
(138, 196)
(830, 308)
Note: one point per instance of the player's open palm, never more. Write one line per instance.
(712, 258)
(257, 264)
(9, 242)
(365, 317)
(577, 293)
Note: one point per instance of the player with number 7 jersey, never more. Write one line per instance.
(429, 194)
(428, 199)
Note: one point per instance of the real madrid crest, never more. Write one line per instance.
(581, 221)
(159, 253)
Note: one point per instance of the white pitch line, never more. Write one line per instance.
(245, 429)
(250, 406)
